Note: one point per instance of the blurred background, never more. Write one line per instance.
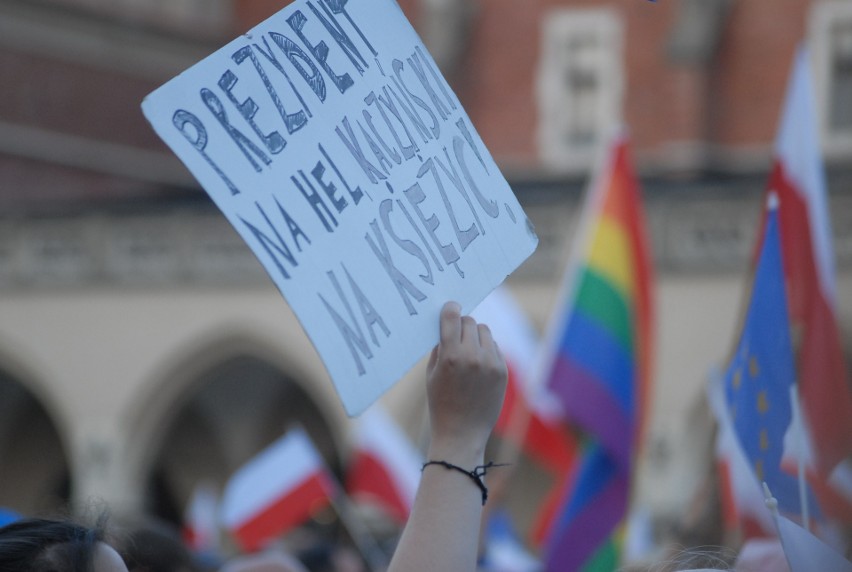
(143, 349)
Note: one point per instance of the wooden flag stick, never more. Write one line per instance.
(364, 540)
(800, 461)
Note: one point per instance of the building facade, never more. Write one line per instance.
(142, 347)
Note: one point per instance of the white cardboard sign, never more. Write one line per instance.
(334, 146)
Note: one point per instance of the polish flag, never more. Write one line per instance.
(803, 550)
(385, 470)
(826, 400)
(530, 417)
(201, 520)
(275, 491)
(806, 552)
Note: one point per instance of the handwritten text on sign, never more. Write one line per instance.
(329, 139)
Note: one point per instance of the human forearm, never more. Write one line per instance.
(443, 530)
(466, 382)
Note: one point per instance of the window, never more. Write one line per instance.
(830, 38)
(579, 85)
(840, 111)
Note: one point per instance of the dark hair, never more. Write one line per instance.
(155, 546)
(40, 545)
(318, 558)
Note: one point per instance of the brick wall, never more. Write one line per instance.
(734, 99)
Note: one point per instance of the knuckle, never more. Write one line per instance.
(497, 367)
(452, 360)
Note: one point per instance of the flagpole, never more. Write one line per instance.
(800, 444)
(770, 501)
(592, 201)
(367, 544)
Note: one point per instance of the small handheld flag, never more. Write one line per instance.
(385, 469)
(275, 491)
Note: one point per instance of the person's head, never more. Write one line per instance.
(273, 561)
(150, 545)
(40, 545)
(326, 557)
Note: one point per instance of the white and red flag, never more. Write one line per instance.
(201, 519)
(385, 468)
(798, 178)
(530, 417)
(803, 550)
(277, 490)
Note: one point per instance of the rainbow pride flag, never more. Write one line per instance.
(601, 348)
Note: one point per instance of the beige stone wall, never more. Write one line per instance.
(110, 363)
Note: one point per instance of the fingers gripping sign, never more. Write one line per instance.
(466, 383)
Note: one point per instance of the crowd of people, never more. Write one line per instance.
(465, 382)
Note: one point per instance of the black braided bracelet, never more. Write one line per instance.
(476, 474)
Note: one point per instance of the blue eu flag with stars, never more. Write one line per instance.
(760, 376)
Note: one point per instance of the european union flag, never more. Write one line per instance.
(762, 372)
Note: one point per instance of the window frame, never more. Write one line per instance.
(825, 15)
(557, 28)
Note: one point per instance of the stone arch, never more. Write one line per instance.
(212, 409)
(36, 475)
